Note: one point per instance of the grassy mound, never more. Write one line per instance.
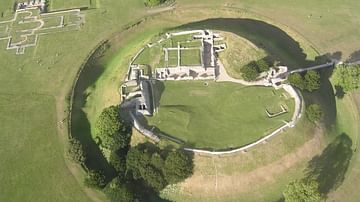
(219, 115)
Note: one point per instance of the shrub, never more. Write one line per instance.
(95, 179)
(314, 113)
(76, 151)
(178, 166)
(347, 77)
(302, 191)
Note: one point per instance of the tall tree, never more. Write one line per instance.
(347, 76)
(112, 132)
(312, 80)
(296, 80)
(178, 166)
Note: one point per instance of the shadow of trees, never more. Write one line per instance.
(80, 125)
(329, 168)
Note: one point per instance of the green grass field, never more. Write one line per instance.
(190, 57)
(219, 115)
(33, 87)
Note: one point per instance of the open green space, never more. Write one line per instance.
(190, 57)
(220, 115)
(50, 68)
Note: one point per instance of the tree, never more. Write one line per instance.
(112, 132)
(153, 178)
(296, 80)
(249, 72)
(347, 77)
(302, 191)
(262, 65)
(136, 162)
(95, 179)
(157, 161)
(116, 191)
(178, 167)
(312, 80)
(118, 162)
(314, 113)
(76, 151)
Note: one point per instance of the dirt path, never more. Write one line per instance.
(218, 184)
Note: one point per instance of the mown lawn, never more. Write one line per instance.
(33, 167)
(220, 115)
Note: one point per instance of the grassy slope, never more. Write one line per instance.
(33, 89)
(18, 72)
(239, 52)
(32, 165)
(218, 115)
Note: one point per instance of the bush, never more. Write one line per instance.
(312, 80)
(302, 191)
(95, 179)
(347, 77)
(314, 113)
(178, 166)
(76, 151)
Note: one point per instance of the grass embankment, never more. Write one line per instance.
(50, 68)
(239, 52)
(219, 115)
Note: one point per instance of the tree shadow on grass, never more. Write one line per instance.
(329, 168)
(80, 125)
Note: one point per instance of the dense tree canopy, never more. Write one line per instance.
(95, 179)
(296, 80)
(158, 171)
(113, 133)
(249, 72)
(314, 112)
(252, 70)
(178, 166)
(116, 191)
(76, 151)
(302, 191)
(312, 80)
(347, 76)
(262, 65)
